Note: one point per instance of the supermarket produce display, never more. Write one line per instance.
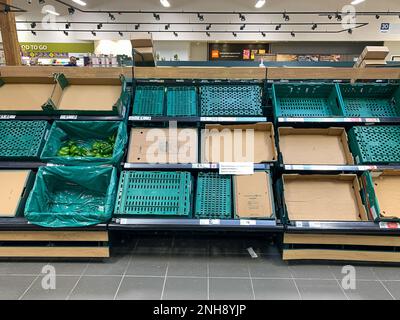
(232, 159)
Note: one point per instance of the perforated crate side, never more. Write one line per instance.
(372, 100)
(154, 193)
(181, 101)
(243, 100)
(213, 196)
(306, 100)
(22, 140)
(149, 101)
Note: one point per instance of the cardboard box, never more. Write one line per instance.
(378, 53)
(14, 190)
(372, 63)
(253, 196)
(147, 53)
(228, 143)
(323, 198)
(142, 43)
(315, 146)
(155, 145)
(382, 194)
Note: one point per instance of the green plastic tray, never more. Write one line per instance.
(370, 100)
(375, 144)
(213, 196)
(306, 100)
(154, 193)
(181, 101)
(149, 101)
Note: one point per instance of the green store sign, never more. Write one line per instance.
(57, 47)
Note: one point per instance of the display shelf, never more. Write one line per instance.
(61, 117)
(334, 168)
(189, 166)
(157, 119)
(20, 165)
(122, 224)
(337, 120)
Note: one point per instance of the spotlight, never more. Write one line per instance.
(93, 33)
(286, 17)
(208, 34)
(7, 8)
(292, 34)
(137, 26)
(329, 16)
(208, 27)
(66, 33)
(350, 31)
(68, 25)
(263, 34)
(314, 26)
(242, 17)
(120, 33)
(111, 16)
(175, 34)
(33, 32)
(338, 17)
(71, 11)
(234, 34)
(377, 16)
(99, 26)
(278, 27)
(42, 2)
(33, 25)
(156, 16)
(242, 27)
(167, 26)
(200, 16)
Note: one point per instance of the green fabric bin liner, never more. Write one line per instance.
(68, 197)
(85, 133)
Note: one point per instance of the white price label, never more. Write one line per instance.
(136, 118)
(204, 222)
(316, 225)
(389, 225)
(236, 168)
(7, 117)
(123, 221)
(215, 222)
(201, 166)
(69, 117)
(248, 222)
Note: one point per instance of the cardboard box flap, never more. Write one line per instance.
(374, 52)
(387, 191)
(142, 42)
(12, 187)
(315, 146)
(323, 198)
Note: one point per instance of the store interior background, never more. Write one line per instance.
(54, 47)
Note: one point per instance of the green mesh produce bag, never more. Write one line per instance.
(72, 196)
(85, 133)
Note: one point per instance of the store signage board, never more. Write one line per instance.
(236, 168)
(385, 27)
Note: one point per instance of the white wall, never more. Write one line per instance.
(394, 47)
(113, 47)
(168, 49)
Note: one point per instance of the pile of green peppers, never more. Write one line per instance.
(99, 149)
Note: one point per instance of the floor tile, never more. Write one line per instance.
(63, 287)
(387, 273)
(154, 245)
(368, 290)
(320, 290)
(145, 265)
(95, 288)
(21, 268)
(185, 289)
(188, 266)
(185, 245)
(230, 289)
(269, 267)
(275, 289)
(362, 272)
(229, 267)
(116, 265)
(12, 287)
(311, 271)
(134, 288)
(393, 287)
(69, 268)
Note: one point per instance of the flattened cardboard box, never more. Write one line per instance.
(323, 198)
(253, 196)
(315, 146)
(13, 191)
(228, 143)
(147, 145)
(372, 63)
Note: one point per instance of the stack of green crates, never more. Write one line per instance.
(375, 144)
(149, 101)
(22, 140)
(213, 196)
(181, 101)
(151, 193)
(232, 100)
(370, 100)
(306, 100)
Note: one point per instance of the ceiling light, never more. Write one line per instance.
(209, 27)
(314, 26)
(33, 25)
(355, 2)
(71, 11)
(278, 27)
(263, 34)
(175, 34)
(54, 13)
(234, 34)
(242, 17)
(120, 33)
(200, 16)
(350, 31)
(66, 33)
(137, 26)
(167, 26)
(292, 34)
(42, 2)
(67, 25)
(80, 2)
(329, 16)
(93, 33)
(208, 34)
(99, 26)
(286, 17)
(338, 17)
(156, 16)
(111, 16)
(259, 4)
(377, 16)
(242, 27)
(165, 3)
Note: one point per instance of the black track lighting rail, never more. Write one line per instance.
(5, 8)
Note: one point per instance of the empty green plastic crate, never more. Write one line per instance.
(72, 196)
(213, 196)
(181, 101)
(150, 193)
(233, 100)
(375, 144)
(22, 140)
(306, 100)
(370, 100)
(149, 101)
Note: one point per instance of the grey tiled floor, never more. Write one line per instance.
(184, 268)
